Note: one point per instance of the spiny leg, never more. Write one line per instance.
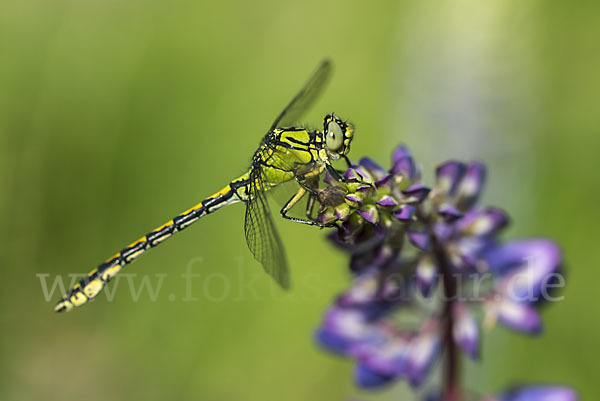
(310, 180)
(310, 205)
(293, 201)
(311, 189)
(311, 184)
(337, 176)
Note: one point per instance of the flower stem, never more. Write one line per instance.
(451, 388)
(451, 374)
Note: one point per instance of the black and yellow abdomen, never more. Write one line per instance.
(90, 286)
(278, 160)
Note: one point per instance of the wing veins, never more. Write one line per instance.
(305, 98)
(261, 235)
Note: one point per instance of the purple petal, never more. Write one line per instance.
(405, 213)
(417, 192)
(419, 239)
(443, 231)
(364, 189)
(449, 213)
(372, 296)
(465, 253)
(469, 188)
(424, 350)
(468, 260)
(350, 174)
(327, 216)
(373, 168)
(387, 200)
(385, 181)
(426, 275)
(524, 268)
(368, 378)
(342, 211)
(332, 341)
(354, 199)
(518, 316)
(465, 330)
(350, 227)
(387, 357)
(363, 290)
(403, 163)
(448, 176)
(358, 173)
(483, 222)
(342, 328)
(540, 394)
(369, 213)
(383, 255)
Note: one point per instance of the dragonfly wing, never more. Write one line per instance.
(261, 235)
(305, 98)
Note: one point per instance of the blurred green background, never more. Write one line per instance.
(115, 116)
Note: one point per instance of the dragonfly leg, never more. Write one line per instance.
(310, 181)
(293, 201)
(336, 174)
(348, 162)
(307, 186)
(310, 205)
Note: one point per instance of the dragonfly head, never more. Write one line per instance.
(337, 136)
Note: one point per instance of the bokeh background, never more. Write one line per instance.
(115, 116)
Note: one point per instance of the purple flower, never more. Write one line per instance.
(465, 330)
(449, 213)
(408, 241)
(382, 200)
(524, 268)
(376, 171)
(448, 175)
(368, 378)
(405, 213)
(423, 352)
(416, 193)
(404, 164)
(470, 186)
(426, 274)
(539, 394)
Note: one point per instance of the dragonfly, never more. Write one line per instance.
(286, 153)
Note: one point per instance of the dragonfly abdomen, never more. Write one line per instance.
(91, 285)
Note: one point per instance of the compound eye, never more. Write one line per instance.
(335, 136)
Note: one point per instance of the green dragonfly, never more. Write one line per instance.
(286, 153)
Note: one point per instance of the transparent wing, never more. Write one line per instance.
(261, 235)
(305, 98)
